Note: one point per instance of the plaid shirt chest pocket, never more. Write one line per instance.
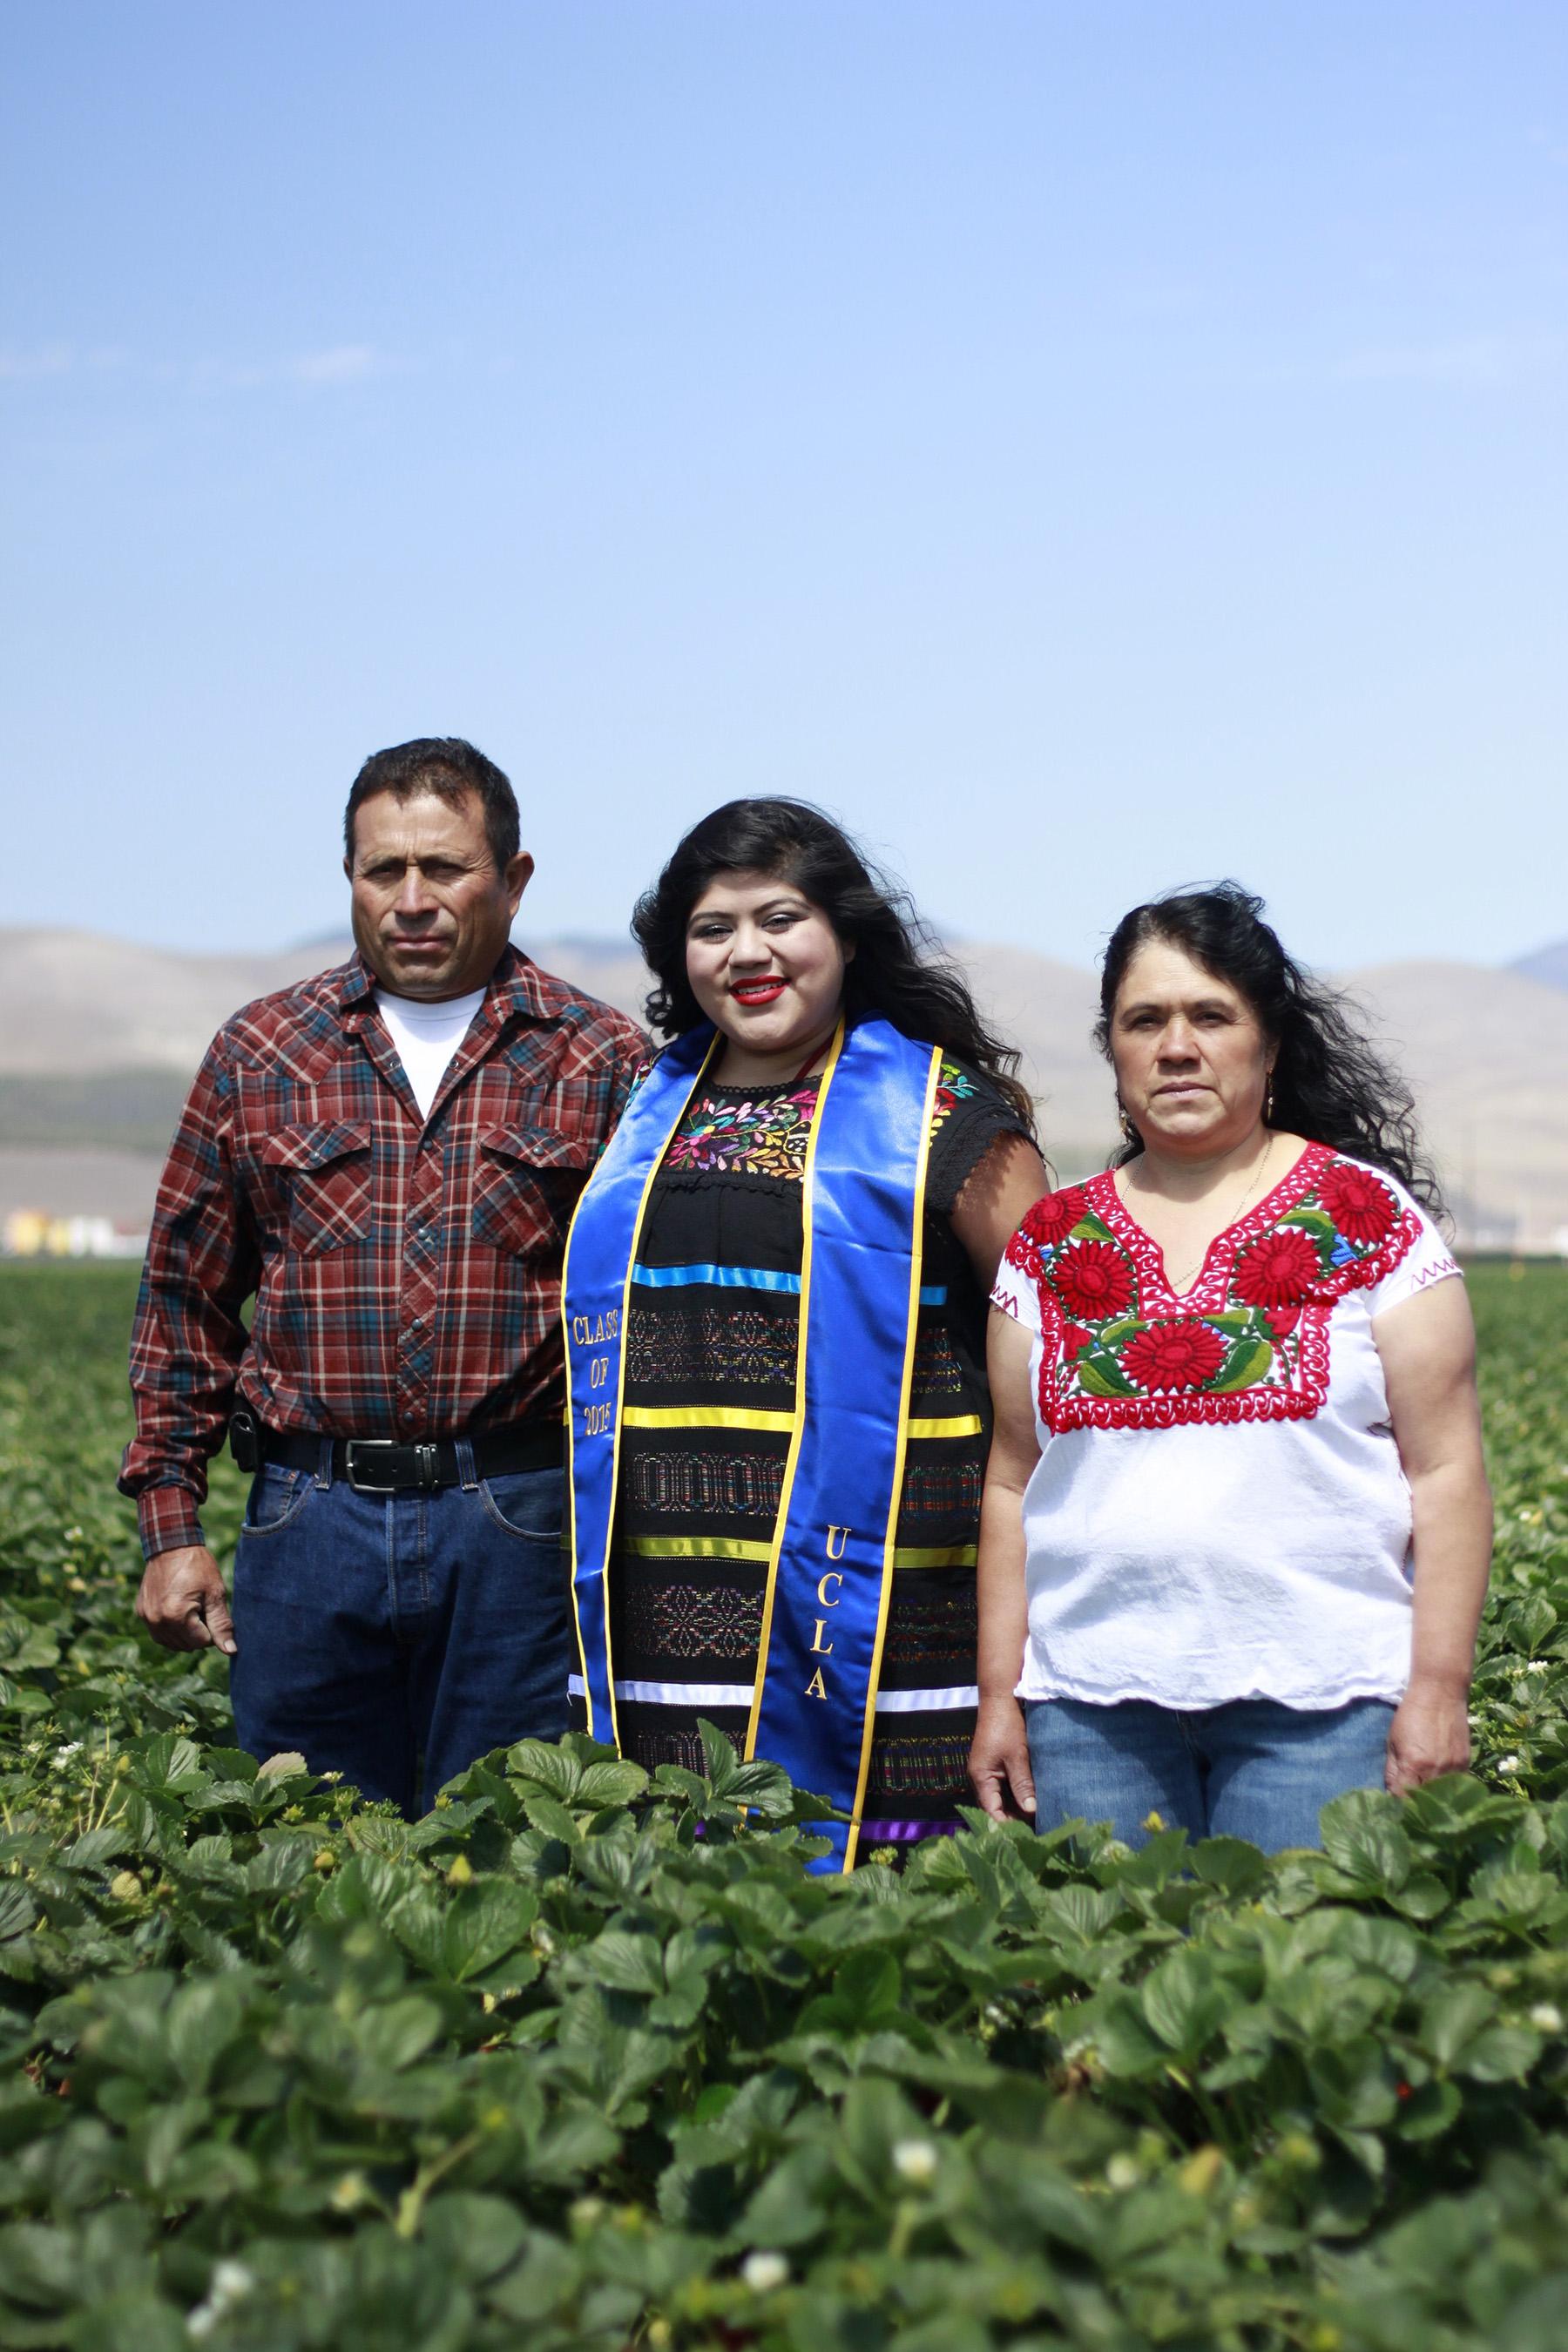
(526, 1182)
(325, 1173)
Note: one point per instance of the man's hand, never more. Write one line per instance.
(1430, 1734)
(183, 1603)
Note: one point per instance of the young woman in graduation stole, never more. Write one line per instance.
(775, 1307)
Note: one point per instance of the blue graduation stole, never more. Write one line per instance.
(830, 1570)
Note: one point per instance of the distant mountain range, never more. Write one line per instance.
(98, 1038)
(1547, 964)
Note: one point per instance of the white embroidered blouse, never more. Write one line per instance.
(1219, 1510)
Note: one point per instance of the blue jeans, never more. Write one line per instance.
(1251, 1768)
(396, 1638)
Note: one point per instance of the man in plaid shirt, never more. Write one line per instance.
(387, 1157)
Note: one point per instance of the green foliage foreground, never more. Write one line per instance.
(584, 2061)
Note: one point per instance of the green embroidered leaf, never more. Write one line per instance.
(1091, 1228)
(1101, 1375)
(1248, 1363)
(1312, 1222)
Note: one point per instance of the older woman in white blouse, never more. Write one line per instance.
(1236, 1529)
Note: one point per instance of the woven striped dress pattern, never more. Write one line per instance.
(711, 1332)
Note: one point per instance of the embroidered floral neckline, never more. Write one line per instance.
(763, 1130)
(1249, 1341)
(1209, 1282)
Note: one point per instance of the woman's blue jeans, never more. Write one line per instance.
(396, 1638)
(1251, 1768)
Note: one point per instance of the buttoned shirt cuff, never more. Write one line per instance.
(166, 1517)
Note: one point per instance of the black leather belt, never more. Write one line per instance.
(386, 1465)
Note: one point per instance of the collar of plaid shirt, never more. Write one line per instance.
(516, 988)
(407, 1272)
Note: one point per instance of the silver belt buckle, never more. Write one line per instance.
(352, 1448)
(427, 1460)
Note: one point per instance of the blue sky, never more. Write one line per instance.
(1089, 447)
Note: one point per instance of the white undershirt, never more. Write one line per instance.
(426, 1037)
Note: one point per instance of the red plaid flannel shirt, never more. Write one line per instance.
(407, 1273)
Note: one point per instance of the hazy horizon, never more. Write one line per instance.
(607, 944)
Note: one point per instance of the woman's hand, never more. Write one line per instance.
(1430, 1734)
(1427, 1345)
(999, 1758)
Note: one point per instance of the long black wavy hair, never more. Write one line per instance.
(897, 969)
(1330, 1082)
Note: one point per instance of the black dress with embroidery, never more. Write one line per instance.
(711, 1332)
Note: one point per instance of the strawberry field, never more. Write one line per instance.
(584, 2061)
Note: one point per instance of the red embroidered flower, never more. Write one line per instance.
(1052, 1220)
(1075, 1340)
(1094, 1280)
(1279, 1271)
(1362, 1208)
(1282, 1321)
(1021, 1251)
(1173, 1355)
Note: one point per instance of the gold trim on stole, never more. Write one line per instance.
(657, 1164)
(917, 1253)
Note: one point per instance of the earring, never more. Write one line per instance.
(1128, 1132)
(1268, 1101)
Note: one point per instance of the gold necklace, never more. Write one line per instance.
(1179, 1284)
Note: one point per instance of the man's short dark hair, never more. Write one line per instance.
(447, 766)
